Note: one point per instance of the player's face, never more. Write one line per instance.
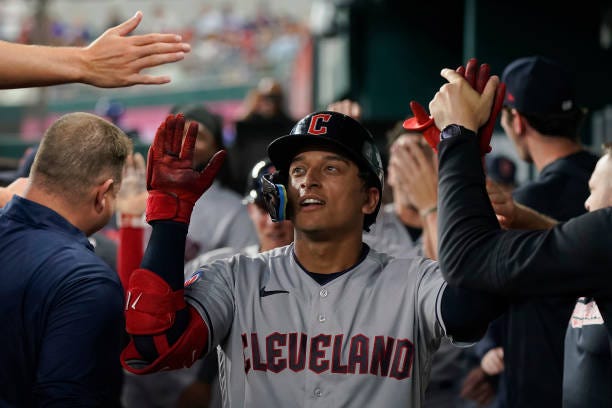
(271, 234)
(510, 121)
(600, 185)
(205, 145)
(326, 193)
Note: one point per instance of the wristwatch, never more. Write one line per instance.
(455, 130)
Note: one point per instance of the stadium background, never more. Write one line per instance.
(382, 53)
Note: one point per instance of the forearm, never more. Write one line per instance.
(528, 218)
(164, 257)
(37, 65)
(430, 235)
(166, 251)
(465, 217)
(476, 253)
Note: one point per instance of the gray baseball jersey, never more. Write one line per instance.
(219, 219)
(389, 235)
(364, 339)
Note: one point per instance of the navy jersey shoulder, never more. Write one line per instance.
(62, 311)
(561, 188)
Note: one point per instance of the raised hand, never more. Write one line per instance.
(477, 78)
(347, 107)
(458, 103)
(173, 185)
(116, 59)
(423, 123)
(415, 172)
(132, 197)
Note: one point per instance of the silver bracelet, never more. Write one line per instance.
(426, 212)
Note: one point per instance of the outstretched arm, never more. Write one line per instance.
(573, 258)
(513, 215)
(115, 59)
(166, 333)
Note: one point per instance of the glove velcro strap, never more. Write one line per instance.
(427, 128)
(187, 349)
(414, 124)
(151, 304)
(167, 206)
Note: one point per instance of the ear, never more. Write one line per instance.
(518, 122)
(372, 197)
(101, 197)
(251, 209)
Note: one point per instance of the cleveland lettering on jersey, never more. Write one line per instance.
(382, 356)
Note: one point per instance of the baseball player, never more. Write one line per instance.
(324, 321)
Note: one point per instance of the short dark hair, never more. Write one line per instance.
(566, 124)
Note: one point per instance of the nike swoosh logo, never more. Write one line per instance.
(263, 292)
(136, 301)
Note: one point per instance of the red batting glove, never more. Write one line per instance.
(486, 130)
(421, 121)
(173, 185)
(478, 80)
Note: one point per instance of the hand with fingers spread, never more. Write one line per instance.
(415, 181)
(415, 172)
(132, 197)
(347, 107)
(173, 185)
(116, 59)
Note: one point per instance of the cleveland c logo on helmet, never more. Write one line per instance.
(317, 128)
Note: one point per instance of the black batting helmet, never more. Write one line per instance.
(337, 131)
(254, 193)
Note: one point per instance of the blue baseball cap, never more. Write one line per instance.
(539, 85)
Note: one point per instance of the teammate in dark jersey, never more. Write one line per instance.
(572, 258)
(61, 305)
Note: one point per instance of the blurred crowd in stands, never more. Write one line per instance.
(234, 48)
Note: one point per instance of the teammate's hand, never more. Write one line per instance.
(16, 187)
(476, 387)
(415, 173)
(477, 78)
(458, 103)
(347, 107)
(493, 362)
(132, 197)
(116, 58)
(174, 186)
(503, 204)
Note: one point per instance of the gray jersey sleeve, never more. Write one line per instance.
(210, 291)
(428, 300)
